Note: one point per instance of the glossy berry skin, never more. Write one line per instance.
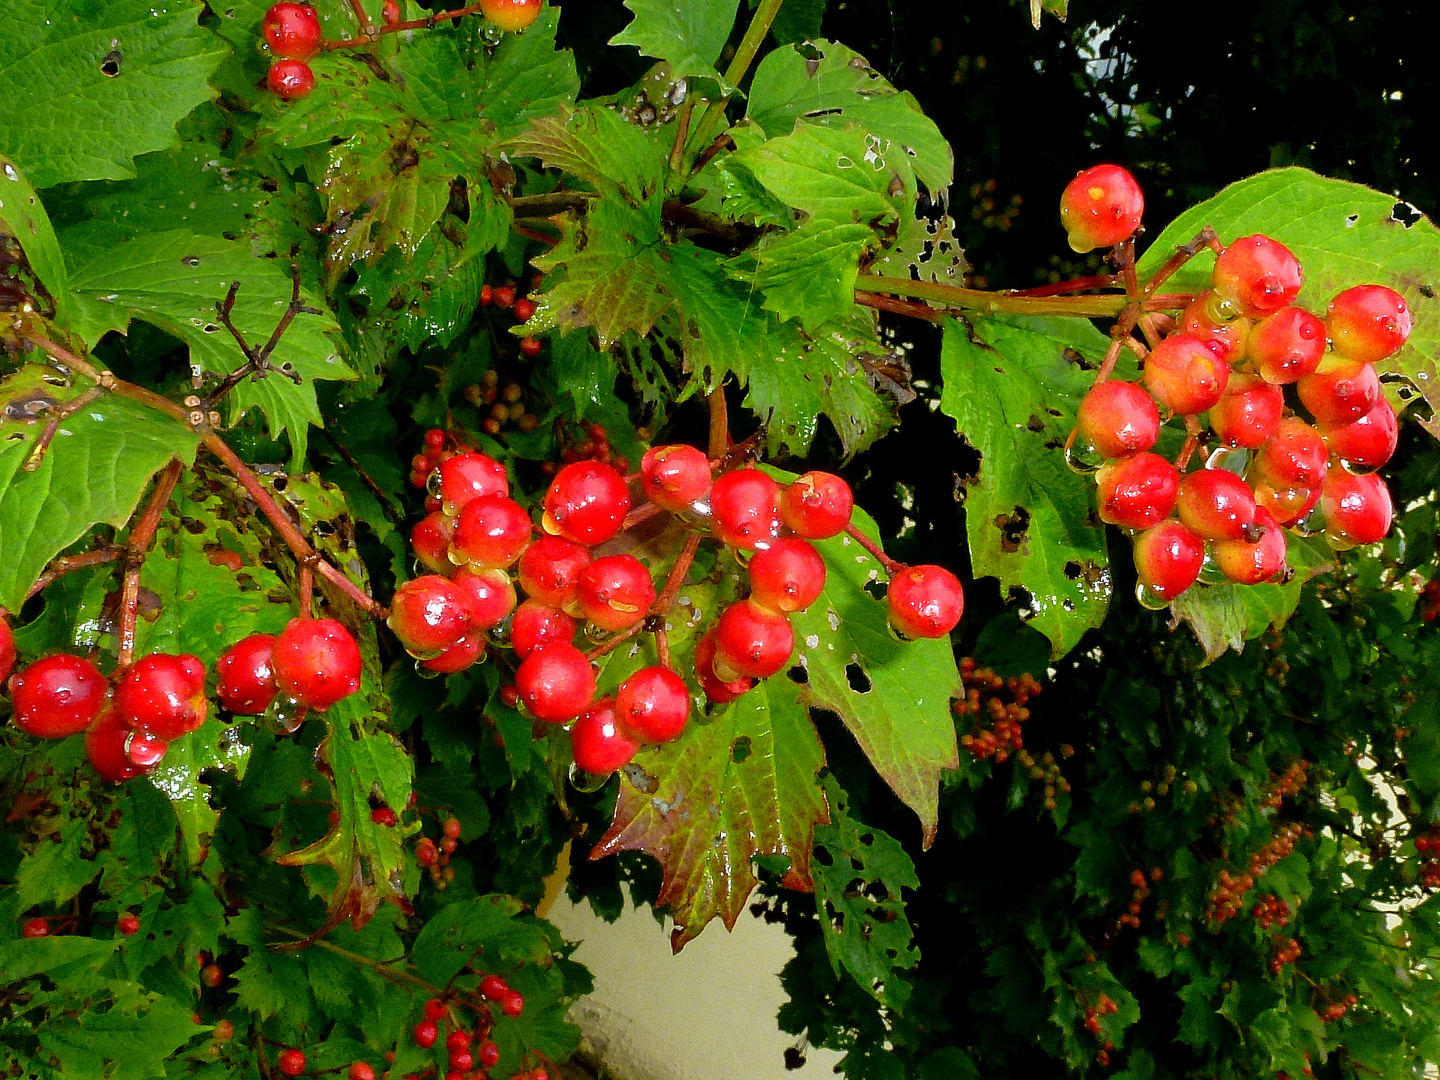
(245, 675)
(752, 642)
(653, 705)
(469, 476)
(675, 477)
(1340, 390)
(108, 744)
(510, 14)
(1256, 276)
(290, 79)
(1216, 504)
(58, 696)
(550, 568)
(745, 508)
(1368, 323)
(491, 595)
(615, 592)
(535, 624)
(1357, 509)
(1287, 346)
(599, 744)
(163, 694)
(461, 656)
(425, 1034)
(1184, 376)
(487, 1053)
(7, 650)
(586, 503)
(786, 575)
(429, 614)
(1101, 207)
(1116, 418)
(1168, 559)
(556, 682)
(1248, 413)
(317, 662)
(817, 505)
(389, 15)
(490, 533)
(292, 30)
(1136, 492)
(1251, 563)
(925, 601)
(494, 988)
(1295, 455)
(35, 928)
(512, 1004)
(128, 925)
(291, 1062)
(362, 1070)
(1226, 339)
(716, 688)
(430, 540)
(1366, 443)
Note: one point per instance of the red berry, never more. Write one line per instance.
(389, 15)
(7, 650)
(675, 477)
(384, 817)
(292, 1062)
(1117, 418)
(426, 853)
(1366, 443)
(1251, 563)
(451, 828)
(456, 1041)
(35, 928)
(461, 1060)
(524, 308)
(1294, 456)
(653, 705)
(429, 614)
(107, 746)
(487, 1054)
(1248, 412)
(1256, 276)
(434, 1009)
(293, 30)
(549, 569)
(556, 682)
(1168, 559)
(752, 642)
(1287, 346)
(529, 346)
(1226, 339)
(925, 601)
(163, 694)
(426, 1032)
(491, 533)
(513, 1004)
(245, 675)
(317, 662)
(586, 502)
(290, 79)
(469, 476)
(212, 975)
(1368, 323)
(361, 1070)
(598, 743)
(1184, 376)
(817, 505)
(58, 696)
(535, 624)
(745, 507)
(787, 575)
(1339, 390)
(1138, 491)
(615, 592)
(461, 656)
(510, 15)
(491, 595)
(1216, 504)
(1101, 207)
(717, 689)
(504, 296)
(128, 924)
(1357, 509)
(430, 538)
(493, 987)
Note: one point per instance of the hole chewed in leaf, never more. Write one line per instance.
(858, 679)
(740, 749)
(1013, 528)
(1405, 214)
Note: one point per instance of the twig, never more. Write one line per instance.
(994, 303)
(899, 307)
(891, 566)
(257, 361)
(391, 510)
(745, 52)
(52, 425)
(68, 564)
(719, 444)
(373, 33)
(136, 546)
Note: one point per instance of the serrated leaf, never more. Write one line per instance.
(741, 784)
(808, 274)
(1344, 234)
(56, 871)
(893, 696)
(174, 279)
(596, 145)
(1226, 616)
(840, 88)
(65, 959)
(833, 173)
(87, 87)
(494, 928)
(690, 35)
(96, 469)
(23, 216)
(865, 933)
(526, 77)
(131, 1039)
(1012, 389)
(185, 775)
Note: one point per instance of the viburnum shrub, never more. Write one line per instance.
(438, 441)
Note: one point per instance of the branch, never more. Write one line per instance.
(141, 536)
(739, 64)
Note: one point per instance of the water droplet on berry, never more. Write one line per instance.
(1150, 599)
(588, 782)
(1083, 458)
(1210, 572)
(423, 671)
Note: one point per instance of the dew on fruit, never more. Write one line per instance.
(1083, 459)
(587, 782)
(1150, 599)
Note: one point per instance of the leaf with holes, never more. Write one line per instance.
(690, 35)
(1343, 234)
(1012, 387)
(894, 696)
(741, 785)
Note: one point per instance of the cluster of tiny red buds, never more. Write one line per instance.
(1102, 1057)
(1428, 605)
(1104, 1006)
(1140, 890)
(1001, 706)
(1227, 900)
(504, 405)
(1287, 951)
(1047, 771)
(438, 447)
(592, 445)
(468, 1054)
(1286, 785)
(1331, 1011)
(1270, 911)
(1427, 844)
(435, 858)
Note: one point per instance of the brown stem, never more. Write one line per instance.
(391, 510)
(106, 380)
(719, 143)
(257, 361)
(682, 132)
(138, 543)
(1073, 285)
(643, 512)
(1192, 440)
(1112, 357)
(719, 424)
(307, 590)
(745, 52)
(52, 425)
(995, 303)
(374, 33)
(891, 566)
(68, 564)
(1205, 238)
(899, 307)
(550, 202)
(676, 581)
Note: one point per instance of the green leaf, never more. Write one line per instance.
(835, 173)
(1225, 616)
(57, 870)
(132, 1039)
(741, 784)
(87, 87)
(859, 872)
(838, 88)
(495, 926)
(526, 77)
(1343, 234)
(96, 469)
(689, 35)
(174, 279)
(64, 959)
(808, 274)
(893, 696)
(1012, 387)
(23, 216)
(596, 145)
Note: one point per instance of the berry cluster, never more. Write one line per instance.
(435, 858)
(1286, 785)
(985, 698)
(478, 536)
(1139, 892)
(292, 31)
(504, 405)
(129, 720)
(1227, 900)
(1270, 911)
(1428, 845)
(1287, 951)
(1331, 1011)
(1104, 1006)
(467, 1053)
(127, 924)
(1047, 771)
(1229, 356)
